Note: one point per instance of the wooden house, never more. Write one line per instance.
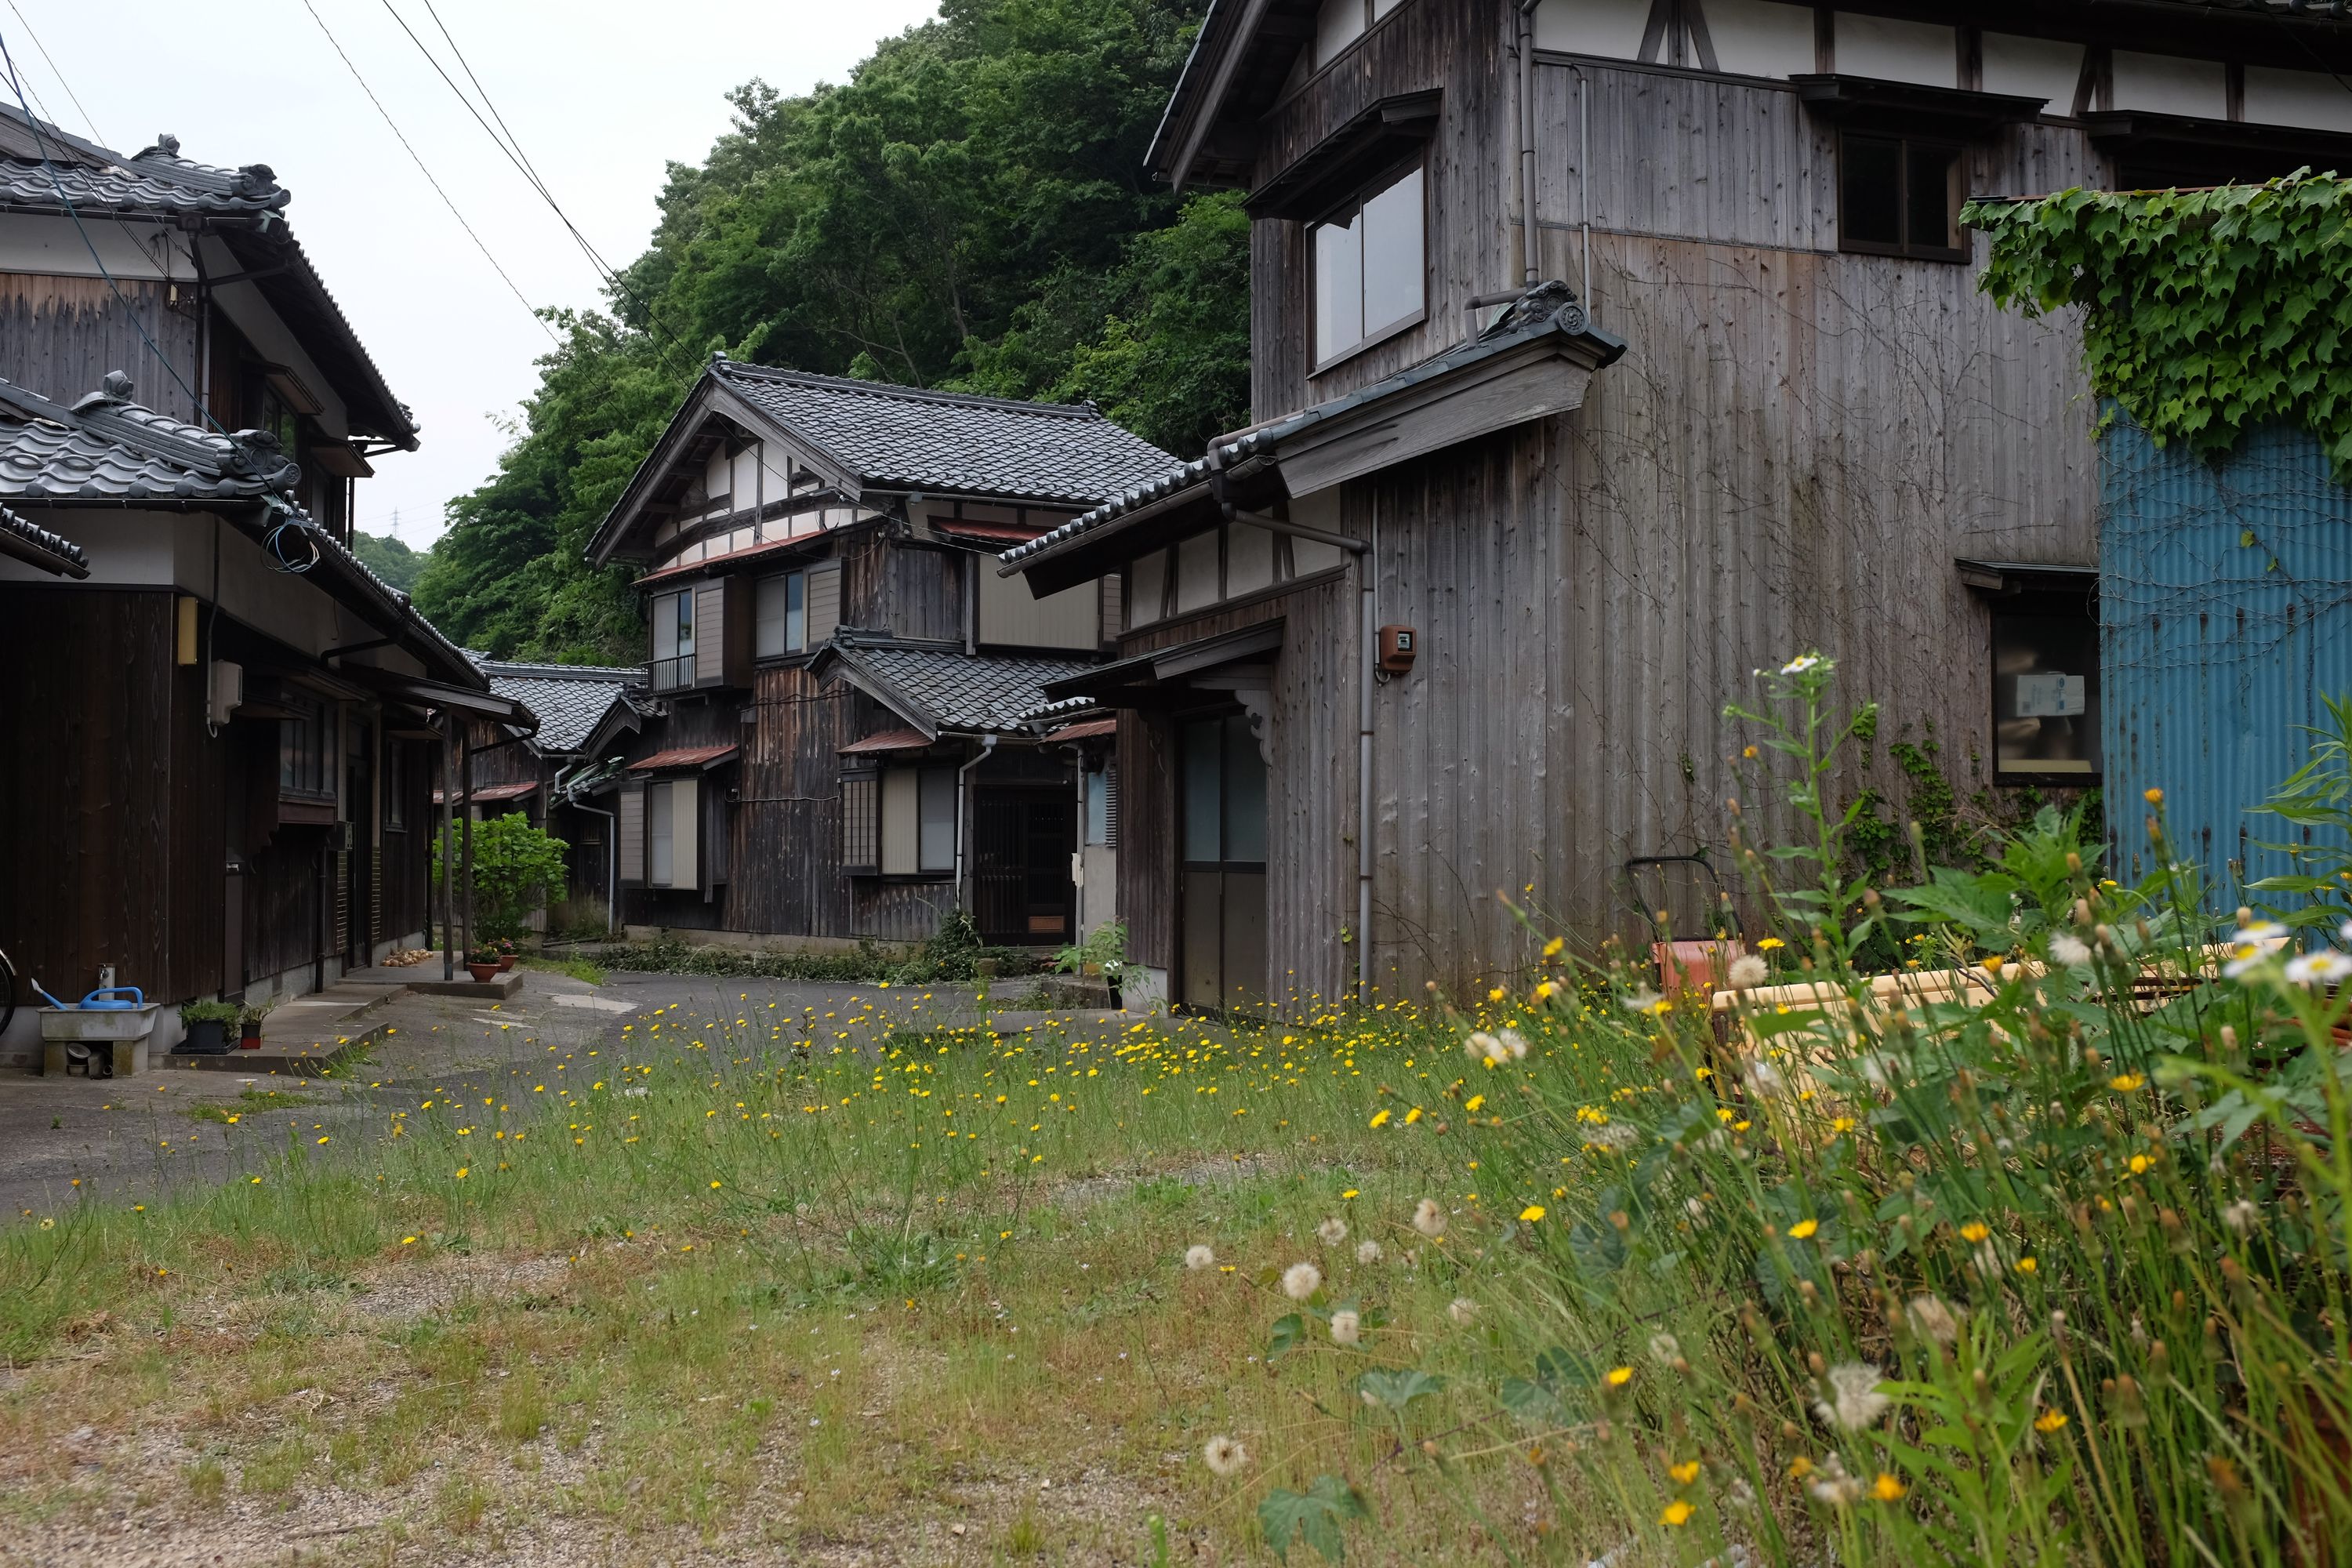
(1462, 611)
(223, 729)
(546, 776)
(832, 743)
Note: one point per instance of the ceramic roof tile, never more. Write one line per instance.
(950, 689)
(106, 448)
(907, 437)
(37, 546)
(570, 701)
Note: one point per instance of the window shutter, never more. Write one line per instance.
(685, 833)
(710, 634)
(633, 835)
(861, 810)
(901, 816)
(1110, 804)
(823, 601)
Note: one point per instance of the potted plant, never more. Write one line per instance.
(249, 1032)
(482, 962)
(506, 947)
(206, 1025)
(1103, 955)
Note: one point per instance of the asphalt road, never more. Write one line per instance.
(73, 1140)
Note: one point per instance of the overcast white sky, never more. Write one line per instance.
(602, 96)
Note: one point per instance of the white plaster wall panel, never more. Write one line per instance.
(54, 246)
(1609, 27)
(1144, 600)
(1249, 560)
(1888, 51)
(1761, 37)
(2169, 85)
(2033, 68)
(1196, 573)
(2297, 97)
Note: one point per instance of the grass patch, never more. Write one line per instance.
(577, 968)
(251, 1102)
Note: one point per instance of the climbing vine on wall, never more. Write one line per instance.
(2205, 312)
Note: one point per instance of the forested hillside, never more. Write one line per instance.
(969, 211)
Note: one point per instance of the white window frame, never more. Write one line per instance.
(1351, 219)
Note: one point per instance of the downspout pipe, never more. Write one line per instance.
(963, 773)
(1530, 243)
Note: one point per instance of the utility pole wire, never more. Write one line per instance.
(70, 94)
(429, 180)
(512, 145)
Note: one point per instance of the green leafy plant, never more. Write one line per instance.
(227, 1014)
(1313, 1516)
(482, 952)
(1105, 948)
(2317, 798)
(2204, 312)
(515, 864)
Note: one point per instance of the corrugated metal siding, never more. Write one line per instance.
(2226, 611)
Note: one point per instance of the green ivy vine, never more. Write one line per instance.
(2204, 312)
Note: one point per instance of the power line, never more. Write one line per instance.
(429, 180)
(510, 146)
(54, 71)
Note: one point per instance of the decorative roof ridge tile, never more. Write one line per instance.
(726, 369)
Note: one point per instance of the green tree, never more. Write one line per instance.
(389, 559)
(515, 865)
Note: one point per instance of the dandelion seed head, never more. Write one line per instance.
(1301, 1280)
(1463, 1311)
(1347, 1327)
(1367, 1251)
(1853, 1402)
(1428, 1218)
(1199, 1255)
(1225, 1455)
(1749, 971)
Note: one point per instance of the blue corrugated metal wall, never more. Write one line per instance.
(2226, 602)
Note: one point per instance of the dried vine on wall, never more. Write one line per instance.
(2204, 312)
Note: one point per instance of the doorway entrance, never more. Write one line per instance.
(1221, 886)
(1023, 839)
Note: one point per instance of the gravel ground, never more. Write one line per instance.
(64, 1140)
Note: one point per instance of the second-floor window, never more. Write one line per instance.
(674, 640)
(1899, 198)
(1370, 268)
(306, 750)
(781, 614)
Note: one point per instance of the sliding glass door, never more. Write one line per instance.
(1221, 886)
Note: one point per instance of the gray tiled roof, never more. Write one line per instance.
(108, 447)
(945, 688)
(38, 547)
(906, 437)
(571, 699)
(36, 158)
(1542, 310)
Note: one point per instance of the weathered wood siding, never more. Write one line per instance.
(60, 336)
(404, 891)
(1794, 448)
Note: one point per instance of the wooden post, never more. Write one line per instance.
(448, 846)
(465, 824)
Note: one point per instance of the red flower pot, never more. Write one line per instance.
(481, 972)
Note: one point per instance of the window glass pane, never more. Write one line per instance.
(659, 844)
(937, 852)
(1203, 836)
(1337, 24)
(1339, 286)
(666, 627)
(1869, 196)
(1927, 195)
(2045, 693)
(1392, 254)
(796, 611)
(686, 623)
(770, 633)
(1245, 794)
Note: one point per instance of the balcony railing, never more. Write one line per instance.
(673, 674)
